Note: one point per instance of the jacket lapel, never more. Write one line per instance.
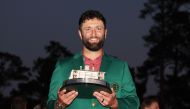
(105, 63)
(77, 61)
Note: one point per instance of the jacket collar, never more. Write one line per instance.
(78, 61)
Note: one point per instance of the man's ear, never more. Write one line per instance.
(79, 32)
(106, 33)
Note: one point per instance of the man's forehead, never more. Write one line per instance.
(93, 22)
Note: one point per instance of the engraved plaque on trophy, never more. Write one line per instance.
(85, 82)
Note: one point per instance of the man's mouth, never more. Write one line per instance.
(92, 40)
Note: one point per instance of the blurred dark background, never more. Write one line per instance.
(164, 72)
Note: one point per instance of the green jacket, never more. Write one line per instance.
(117, 72)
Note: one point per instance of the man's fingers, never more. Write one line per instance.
(105, 93)
(108, 95)
(67, 98)
(62, 92)
(98, 96)
(101, 98)
(71, 97)
(70, 93)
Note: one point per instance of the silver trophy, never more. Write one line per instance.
(85, 82)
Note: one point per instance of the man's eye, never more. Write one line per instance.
(99, 28)
(87, 29)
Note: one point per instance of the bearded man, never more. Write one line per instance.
(93, 32)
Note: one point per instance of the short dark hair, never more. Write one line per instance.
(91, 14)
(148, 101)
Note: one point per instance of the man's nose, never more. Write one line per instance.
(94, 32)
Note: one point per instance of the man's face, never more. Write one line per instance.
(93, 34)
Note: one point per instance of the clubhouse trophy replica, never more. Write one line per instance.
(86, 81)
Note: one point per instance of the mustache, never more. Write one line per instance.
(93, 37)
(96, 37)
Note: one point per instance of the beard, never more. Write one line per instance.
(93, 46)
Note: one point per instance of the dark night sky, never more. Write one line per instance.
(26, 26)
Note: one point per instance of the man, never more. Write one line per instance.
(93, 32)
(150, 103)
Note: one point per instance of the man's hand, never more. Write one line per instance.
(106, 99)
(65, 98)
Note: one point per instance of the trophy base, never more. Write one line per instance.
(86, 86)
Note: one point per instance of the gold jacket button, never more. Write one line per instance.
(93, 104)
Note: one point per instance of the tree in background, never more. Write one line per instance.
(12, 72)
(169, 55)
(45, 66)
(35, 86)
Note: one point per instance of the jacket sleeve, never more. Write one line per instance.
(129, 98)
(56, 82)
